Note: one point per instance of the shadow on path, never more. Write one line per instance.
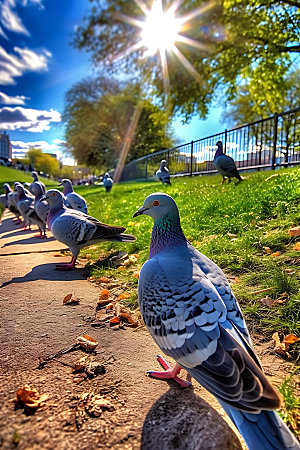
(47, 272)
(179, 419)
(30, 240)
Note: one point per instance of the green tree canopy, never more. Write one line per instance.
(97, 116)
(250, 39)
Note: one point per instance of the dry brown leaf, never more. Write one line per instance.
(136, 275)
(121, 268)
(290, 339)
(125, 317)
(115, 320)
(104, 294)
(30, 397)
(70, 299)
(237, 280)
(295, 231)
(297, 246)
(103, 302)
(267, 250)
(104, 280)
(268, 301)
(123, 296)
(110, 306)
(87, 342)
(275, 254)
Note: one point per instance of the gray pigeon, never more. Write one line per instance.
(78, 230)
(107, 182)
(36, 180)
(41, 207)
(163, 173)
(225, 164)
(193, 316)
(26, 208)
(76, 201)
(11, 203)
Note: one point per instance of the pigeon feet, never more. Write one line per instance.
(170, 372)
(66, 266)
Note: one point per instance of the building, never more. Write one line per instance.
(5, 147)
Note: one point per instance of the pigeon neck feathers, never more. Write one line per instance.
(166, 233)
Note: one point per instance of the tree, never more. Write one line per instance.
(97, 116)
(238, 39)
(33, 154)
(47, 164)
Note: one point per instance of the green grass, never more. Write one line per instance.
(291, 412)
(231, 224)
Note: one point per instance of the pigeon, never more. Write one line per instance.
(11, 203)
(78, 230)
(36, 180)
(190, 311)
(225, 164)
(40, 207)
(75, 201)
(163, 173)
(107, 182)
(26, 208)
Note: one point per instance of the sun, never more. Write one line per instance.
(160, 30)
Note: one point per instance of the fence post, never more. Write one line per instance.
(146, 168)
(192, 148)
(275, 132)
(225, 141)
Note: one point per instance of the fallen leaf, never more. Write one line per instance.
(268, 301)
(237, 280)
(267, 250)
(297, 246)
(290, 339)
(136, 275)
(70, 299)
(125, 317)
(104, 294)
(231, 235)
(87, 342)
(110, 306)
(275, 254)
(131, 224)
(80, 364)
(103, 302)
(121, 268)
(104, 280)
(30, 397)
(123, 296)
(115, 320)
(295, 231)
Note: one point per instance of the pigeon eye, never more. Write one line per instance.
(53, 195)
(156, 203)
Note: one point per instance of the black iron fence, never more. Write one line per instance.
(265, 144)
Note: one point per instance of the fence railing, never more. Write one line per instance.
(264, 144)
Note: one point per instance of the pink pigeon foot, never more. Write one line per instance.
(67, 266)
(170, 372)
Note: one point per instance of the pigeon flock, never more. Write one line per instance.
(185, 300)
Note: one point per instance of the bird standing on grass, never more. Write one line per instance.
(192, 314)
(225, 164)
(163, 173)
(107, 182)
(75, 201)
(78, 230)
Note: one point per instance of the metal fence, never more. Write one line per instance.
(265, 144)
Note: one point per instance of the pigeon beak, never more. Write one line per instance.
(140, 211)
(60, 184)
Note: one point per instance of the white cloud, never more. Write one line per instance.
(26, 119)
(20, 148)
(24, 60)
(9, 100)
(10, 19)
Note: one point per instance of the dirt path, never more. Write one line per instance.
(136, 412)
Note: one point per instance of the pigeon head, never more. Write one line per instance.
(158, 206)
(34, 175)
(19, 188)
(36, 189)
(54, 197)
(106, 175)
(6, 188)
(219, 151)
(163, 163)
(67, 184)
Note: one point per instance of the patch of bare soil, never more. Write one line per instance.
(95, 400)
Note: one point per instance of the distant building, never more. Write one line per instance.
(5, 147)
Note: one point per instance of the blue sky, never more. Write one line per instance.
(38, 65)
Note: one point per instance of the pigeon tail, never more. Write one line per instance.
(123, 238)
(262, 431)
